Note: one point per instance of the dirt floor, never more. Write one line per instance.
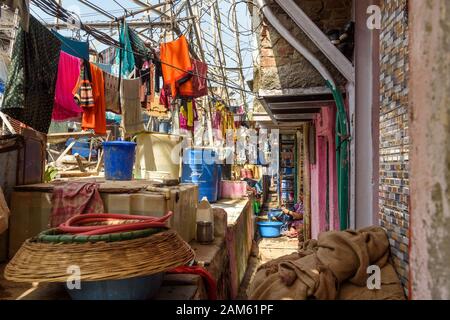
(263, 251)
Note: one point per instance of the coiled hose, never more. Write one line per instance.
(77, 224)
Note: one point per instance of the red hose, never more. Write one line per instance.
(75, 225)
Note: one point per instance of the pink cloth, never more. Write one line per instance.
(65, 106)
(74, 198)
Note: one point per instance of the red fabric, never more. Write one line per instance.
(211, 285)
(196, 87)
(74, 198)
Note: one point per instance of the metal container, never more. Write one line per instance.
(205, 232)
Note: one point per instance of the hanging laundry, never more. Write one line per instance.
(93, 90)
(190, 114)
(146, 92)
(79, 49)
(112, 92)
(158, 72)
(196, 87)
(24, 11)
(176, 64)
(105, 67)
(132, 121)
(140, 51)
(83, 90)
(107, 56)
(165, 98)
(125, 56)
(30, 89)
(65, 106)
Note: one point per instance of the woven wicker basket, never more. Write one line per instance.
(49, 262)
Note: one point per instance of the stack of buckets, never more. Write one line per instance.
(200, 167)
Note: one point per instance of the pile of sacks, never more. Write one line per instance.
(332, 267)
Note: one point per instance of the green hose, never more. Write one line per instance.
(342, 157)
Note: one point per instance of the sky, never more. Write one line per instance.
(116, 8)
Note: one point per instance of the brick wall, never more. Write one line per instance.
(394, 136)
(280, 65)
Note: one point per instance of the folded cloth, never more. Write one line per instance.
(132, 121)
(210, 283)
(74, 198)
(320, 269)
(4, 212)
(65, 106)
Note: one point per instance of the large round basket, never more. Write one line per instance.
(55, 262)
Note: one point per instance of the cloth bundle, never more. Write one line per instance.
(333, 267)
(74, 198)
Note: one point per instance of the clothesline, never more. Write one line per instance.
(170, 65)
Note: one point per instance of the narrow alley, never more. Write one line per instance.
(201, 150)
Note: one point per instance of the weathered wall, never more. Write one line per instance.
(280, 65)
(430, 153)
(324, 212)
(394, 132)
(367, 75)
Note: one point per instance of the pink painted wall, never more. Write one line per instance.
(324, 124)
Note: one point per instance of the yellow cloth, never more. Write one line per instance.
(190, 114)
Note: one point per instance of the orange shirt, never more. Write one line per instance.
(175, 63)
(95, 117)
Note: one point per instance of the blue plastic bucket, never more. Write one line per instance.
(138, 288)
(269, 229)
(200, 168)
(119, 160)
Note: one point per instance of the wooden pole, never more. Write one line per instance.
(307, 184)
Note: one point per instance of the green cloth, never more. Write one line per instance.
(30, 89)
(126, 50)
(141, 52)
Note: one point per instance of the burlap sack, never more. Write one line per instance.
(324, 266)
(4, 213)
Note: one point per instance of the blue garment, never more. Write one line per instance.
(79, 49)
(105, 67)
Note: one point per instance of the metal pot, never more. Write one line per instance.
(205, 232)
